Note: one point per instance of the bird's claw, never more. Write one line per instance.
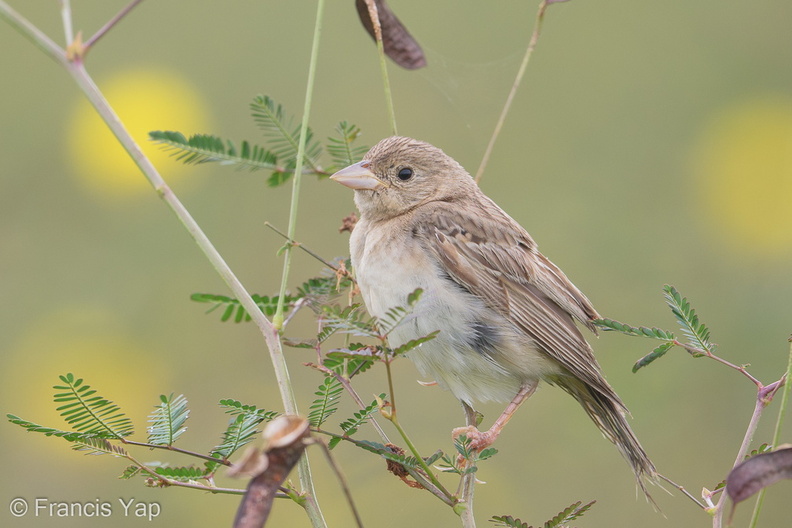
(477, 442)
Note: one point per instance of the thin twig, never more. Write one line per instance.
(683, 490)
(210, 489)
(418, 476)
(304, 248)
(177, 450)
(517, 80)
(739, 368)
(302, 301)
(110, 24)
(342, 481)
(165, 481)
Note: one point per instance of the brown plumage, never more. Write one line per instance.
(506, 314)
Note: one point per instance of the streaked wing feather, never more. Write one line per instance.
(491, 256)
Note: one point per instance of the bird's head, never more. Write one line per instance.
(399, 174)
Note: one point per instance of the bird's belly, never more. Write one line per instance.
(478, 355)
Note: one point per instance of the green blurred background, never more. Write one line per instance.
(651, 143)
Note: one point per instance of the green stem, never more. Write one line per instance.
(277, 319)
(419, 458)
(390, 385)
(776, 434)
(387, 87)
(192, 485)
(303, 467)
(393, 417)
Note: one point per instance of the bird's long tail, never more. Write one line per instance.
(608, 412)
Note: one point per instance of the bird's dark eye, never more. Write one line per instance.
(405, 174)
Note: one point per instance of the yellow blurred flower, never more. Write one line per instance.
(145, 99)
(92, 344)
(743, 165)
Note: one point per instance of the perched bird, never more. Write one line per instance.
(506, 314)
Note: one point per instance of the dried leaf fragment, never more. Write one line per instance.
(399, 45)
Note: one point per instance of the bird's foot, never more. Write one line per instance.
(477, 441)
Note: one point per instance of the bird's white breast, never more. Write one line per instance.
(389, 265)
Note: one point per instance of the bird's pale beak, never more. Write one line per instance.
(358, 176)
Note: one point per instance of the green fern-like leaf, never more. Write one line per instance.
(508, 521)
(204, 148)
(282, 135)
(373, 447)
(487, 453)
(569, 514)
(462, 444)
(386, 452)
(327, 402)
(350, 426)
(240, 431)
(696, 332)
(764, 448)
(130, 472)
(366, 353)
(182, 473)
(50, 431)
(341, 149)
(348, 320)
(347, 362)
(657, 353)
(98, 446)
(326, 286)
(303, 343)
(317, 289)
(87, 412)
(235, 408)
(414, 343)
(638, 331)
(232, 308)
(167, 421)
(448, 465)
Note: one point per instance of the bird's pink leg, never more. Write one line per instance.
(481, 440)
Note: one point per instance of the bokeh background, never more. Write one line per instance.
(651, 143)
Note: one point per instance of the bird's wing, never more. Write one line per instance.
(485, 251)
